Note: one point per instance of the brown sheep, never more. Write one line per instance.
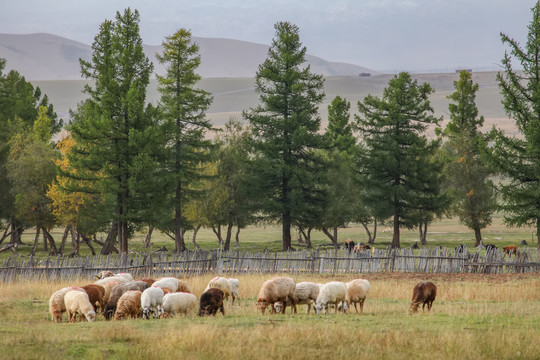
(95, 295)
(149, 281)
(211, 301)
(167, 290)
(274, 290)
(129, 305)
(423, 293)
(118, 291)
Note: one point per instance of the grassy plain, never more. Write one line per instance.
(473, 317)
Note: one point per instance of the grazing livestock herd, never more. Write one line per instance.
(119, 296)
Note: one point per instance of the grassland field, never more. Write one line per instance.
(473, 317)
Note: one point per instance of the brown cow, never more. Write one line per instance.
(510, 250)
(423, 293)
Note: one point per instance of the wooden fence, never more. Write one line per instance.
(434, 260)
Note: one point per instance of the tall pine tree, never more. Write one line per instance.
(113, 131)
(184, 123)
(400, 176)
(469, 186)
(285, 126)
(518, 157)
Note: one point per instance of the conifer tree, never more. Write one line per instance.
(115, 135)
(517, 158)
(467, 173)
(398, 172)
(284, 127)
(184, 124)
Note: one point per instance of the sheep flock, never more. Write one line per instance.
(120, 296)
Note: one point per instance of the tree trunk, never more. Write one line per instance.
(286, 232)
(148, 237)
(307, 237)
(194, 240)
(6, 233)
(75, 242)
(16, 232)
(54, 250)
(88, 242)
(477, 236)
(45, 245)
(123, 235)
(237, 237)
(36, 239)
(395, 238)
(228, 237)
(217, 231)
(108, 248)
(64, 238)
(422, 228)
(332, 237)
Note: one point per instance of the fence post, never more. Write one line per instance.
(393, 260)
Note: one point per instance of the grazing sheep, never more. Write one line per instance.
(274, 290)
(149, 281)
(129, 305)
(175, 284)
(211, 301)
(118, 291)
(152, 300)
(108, 288)
(107, 273)
(109, 279)
(77, 302)
(167, 290)
(333, 292)
(305, 292)
(95, 295)
(357, 291)
(235, 283)
(349, 245)
(178, 303)
(423, 293)
(57, 305)
(220, 283)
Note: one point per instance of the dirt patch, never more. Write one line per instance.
(489, 278)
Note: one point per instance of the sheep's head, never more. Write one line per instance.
(345, 307)
(414, 306)
(319, 308)
(262, 305)
(278, 306)
(146, 313)
(105, 273)
(90, 316)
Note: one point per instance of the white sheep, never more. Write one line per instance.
(77, 302)
(222, 284)
(178, 303)
(274, 290)
(120, 279)
(235, 283)
(172, 283)
(152, 300)
(57, 305)
(357, 291)
(305, 293)
(331, 293)
(107, 273)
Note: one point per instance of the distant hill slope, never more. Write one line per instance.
(51, 57)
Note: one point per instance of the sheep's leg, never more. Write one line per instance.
(222, 309)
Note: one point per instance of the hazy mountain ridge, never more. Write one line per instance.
(51, 57)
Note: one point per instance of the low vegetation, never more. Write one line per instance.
(473, 317)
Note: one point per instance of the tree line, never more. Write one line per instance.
(124, 164)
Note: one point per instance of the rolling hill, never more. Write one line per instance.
(50, 57)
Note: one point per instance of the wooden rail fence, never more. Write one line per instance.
(434, 260)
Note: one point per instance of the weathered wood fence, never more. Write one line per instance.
(434, 260)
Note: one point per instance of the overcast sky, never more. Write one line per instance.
(408, 35)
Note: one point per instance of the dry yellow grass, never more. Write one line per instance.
(473, 317)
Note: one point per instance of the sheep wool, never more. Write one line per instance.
(274, 290)
(152, 301)
(78, 303)
(331, 293)
(57, 305)
(178, 303)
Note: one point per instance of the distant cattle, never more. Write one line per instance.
(349, 245)
(490, 248)
(360, 247)
(460, 249)
(510, 250)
